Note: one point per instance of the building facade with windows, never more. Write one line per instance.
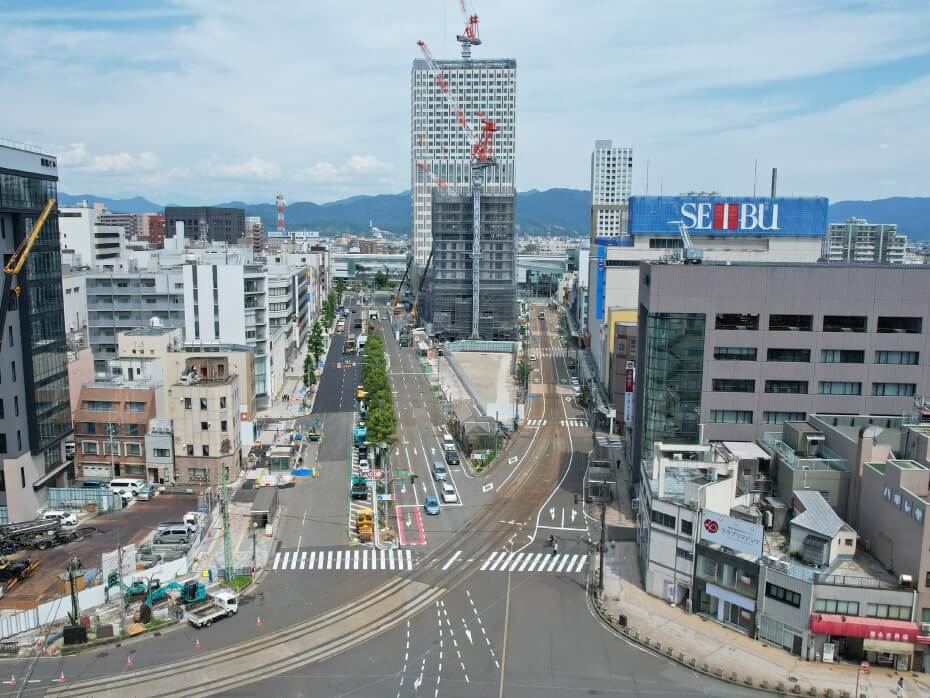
(727, 350)
(441, 147)
(86, 241)
(35, 414)
(860, 242)
(210, 223)
(611, 186)
(110, 427)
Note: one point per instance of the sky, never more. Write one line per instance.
(204, 101)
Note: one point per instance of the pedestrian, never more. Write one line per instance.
(555, 548)
(900, 692)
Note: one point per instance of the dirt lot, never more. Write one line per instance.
(131, 525)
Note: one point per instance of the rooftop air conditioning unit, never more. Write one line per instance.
(905, 580)
(925, 628)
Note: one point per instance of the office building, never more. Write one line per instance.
(153, 230)
(209, 223)
(131, 223)
(35, 413)
(861, 242)
(442, 146)
(75, 301)
(726, 350)
(611, 186)
(119, 301)
(88, 242)
(447, 299)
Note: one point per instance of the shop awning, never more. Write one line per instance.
(51, 475)
(869, 628)
(887, 646)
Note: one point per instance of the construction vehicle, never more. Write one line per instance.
(689, 254)
(12, 571)
(314, 433)
(364, 525)
(15, 264)
(395, 301)
(416, 298)
(38, 534)
(190, 592)
(220, 605)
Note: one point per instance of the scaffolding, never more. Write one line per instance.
(450, 300)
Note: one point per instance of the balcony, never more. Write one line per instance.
(824, 460)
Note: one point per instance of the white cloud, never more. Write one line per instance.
(253, 168)
(77, 157)
(358, 168)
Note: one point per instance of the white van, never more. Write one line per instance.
(128, 485)
(448, 442)
(175, 535)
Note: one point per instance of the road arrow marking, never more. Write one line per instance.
(432, 450)
(424, 487)
(512, 460)
(488, 487)
(403, 490)
(552, 513)
(574, 514)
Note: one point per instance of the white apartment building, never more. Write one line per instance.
(87, 243)
(443, 146)
(860, 242)
(611, 186)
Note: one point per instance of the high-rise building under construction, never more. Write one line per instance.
(441, 149)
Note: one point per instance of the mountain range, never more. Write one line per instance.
(559, 211)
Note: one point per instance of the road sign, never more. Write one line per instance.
(320, 365)
(385, 497)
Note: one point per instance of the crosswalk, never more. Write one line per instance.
(536, 422)
(357, 559)
(552, 351)
(574, 423)
(534, 562)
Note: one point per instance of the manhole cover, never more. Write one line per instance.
(157, 633)
(793, 679)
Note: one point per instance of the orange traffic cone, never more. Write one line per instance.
(197, 644)
(258, 622)
(129, 662)
(61, 678)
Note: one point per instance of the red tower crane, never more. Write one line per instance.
(469, 36)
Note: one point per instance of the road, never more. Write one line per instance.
(479, 608)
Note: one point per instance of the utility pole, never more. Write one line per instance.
(122, 588)
(600, 575)
(111, 430)
(227, 541)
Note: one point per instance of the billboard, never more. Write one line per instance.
(728, 215)
(736, 534)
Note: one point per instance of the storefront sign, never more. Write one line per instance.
(735, 534)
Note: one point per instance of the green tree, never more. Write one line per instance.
(381, 279)
(315, 343)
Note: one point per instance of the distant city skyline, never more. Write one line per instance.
(194, 102)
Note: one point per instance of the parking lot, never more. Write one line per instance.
(131, 525)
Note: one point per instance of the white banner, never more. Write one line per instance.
(735, 534)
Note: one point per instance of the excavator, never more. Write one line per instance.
(190, 592)
(15, 264)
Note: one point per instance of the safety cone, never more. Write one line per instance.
(129, 662)
(61, 677)
(197, 644)
(258, 622)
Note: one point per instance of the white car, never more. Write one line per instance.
(363, 464)
(533, 357)
(65, 517)
(448, 493)
(575, 381)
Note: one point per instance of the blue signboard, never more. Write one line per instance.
(728, 215)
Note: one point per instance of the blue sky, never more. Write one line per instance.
(210, 100)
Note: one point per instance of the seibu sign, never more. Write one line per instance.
(730, 216)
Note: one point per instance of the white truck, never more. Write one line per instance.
(220, 605)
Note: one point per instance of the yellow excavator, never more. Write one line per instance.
(15, 265)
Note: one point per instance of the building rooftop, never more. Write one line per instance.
(856, 266)
(149, 331)
(818, 516)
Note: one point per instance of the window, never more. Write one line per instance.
(161, 453)
(925, 615)
(736, 321)
(903, 358)
(844, 323)
(792, 598)
(16, 405)
(204, 426)
(10, 335)
(902, 325)
(665, 243)
(203, 403)
(98, 406)
(663, 519)
(108, 448)
(782, 417)
(733, 385)
(89, 447)
(189, 449)
(684, 554)
(735, 353)
(187, 403)
(197, 474)
(791, 323)
(22, 476)
(223, 425)
(796, 355)
(840, 388)
(133, 430)
(133, 449)
(13, 370)
(135, 406)
(686, 527)
(222, 403)
(205, 450)
(90, 428)
(894, 389)
(2, 414)
(884, 610)
(796, 387)
(731, 416)
(842, 356)
(2, 443)
(19, 440)
(848, 608)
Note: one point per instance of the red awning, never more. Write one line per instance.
(870, 628)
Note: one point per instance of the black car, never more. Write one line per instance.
(452, 457)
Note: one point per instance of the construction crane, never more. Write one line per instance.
(15, 264)
(469, 36)
(395, 302)
(482, 157)
(690, 253)
(416, 298)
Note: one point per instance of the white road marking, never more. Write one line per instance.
(277, 558)
(284, 563)
(488, 487)
(303, 559)
(409, 559)
(313, 559)
(564, 560)
(486, 562)
(452, 560)
(515, 562)
(581, 562)
(503, 558)
(539, 557)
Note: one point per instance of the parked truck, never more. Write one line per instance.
(363, 524)
(220, 605)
